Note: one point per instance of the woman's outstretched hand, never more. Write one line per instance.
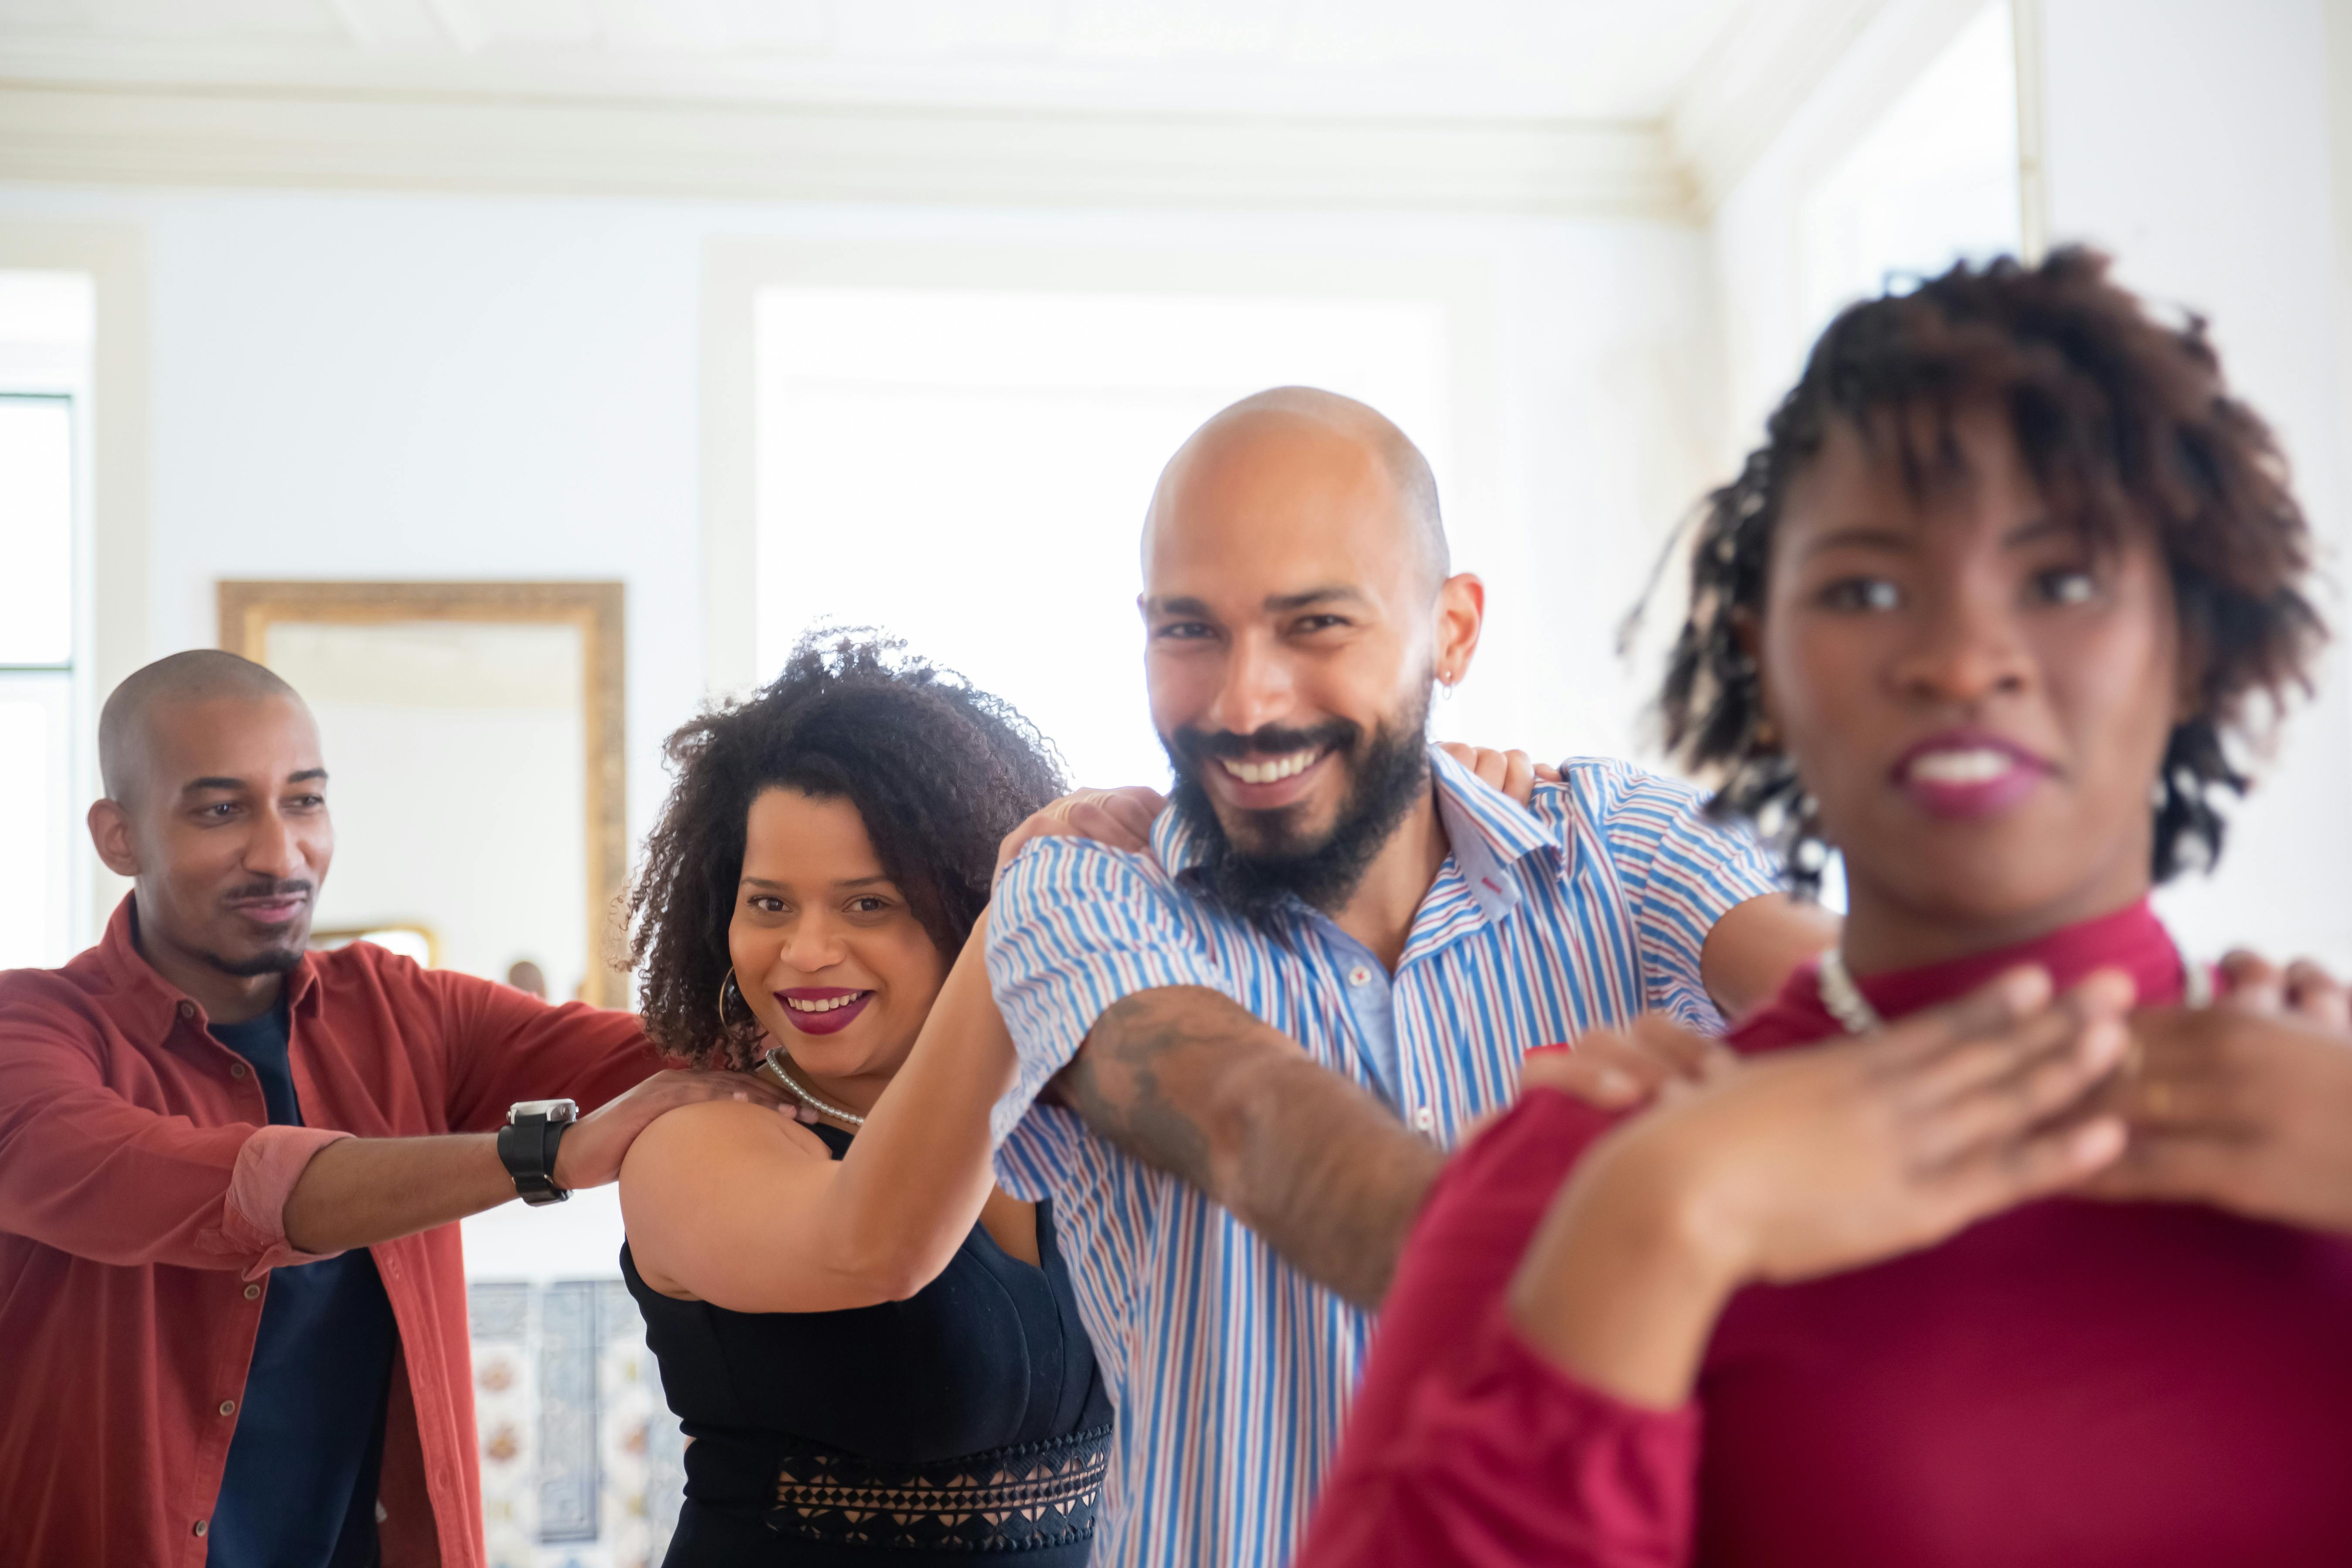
(1119, 818)
(1513, 772)
(1811, 1162)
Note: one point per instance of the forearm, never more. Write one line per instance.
(908, 1193)
(360, 1191)
(1757, 946)
(1614, 1292)
(1191, 1083)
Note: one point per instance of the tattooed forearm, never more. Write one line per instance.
(1186, 1080)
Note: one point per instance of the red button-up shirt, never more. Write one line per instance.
(141, 1209)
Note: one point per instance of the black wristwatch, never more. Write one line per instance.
(527, 1147)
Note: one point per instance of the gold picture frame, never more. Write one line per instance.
(249, 608)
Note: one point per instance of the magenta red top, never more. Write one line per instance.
(2071, 1383)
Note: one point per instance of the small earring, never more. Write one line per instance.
(1765, 736)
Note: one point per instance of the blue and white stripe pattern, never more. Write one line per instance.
(1232, 1372)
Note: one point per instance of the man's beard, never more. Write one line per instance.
(278, 960)
(1388, 772)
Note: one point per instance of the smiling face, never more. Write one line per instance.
(834, 963)
(1977, 697)
(224, 828)
(1292, 625)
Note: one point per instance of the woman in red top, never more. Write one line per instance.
(2006, 1279)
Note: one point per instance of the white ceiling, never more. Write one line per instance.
(1646, 106)
(1582, 59)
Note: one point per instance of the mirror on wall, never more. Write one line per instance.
(474, 750)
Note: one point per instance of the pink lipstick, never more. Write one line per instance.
(1968, 772)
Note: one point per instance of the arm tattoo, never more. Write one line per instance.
(1189, 1082)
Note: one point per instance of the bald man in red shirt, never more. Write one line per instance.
(232, 1295)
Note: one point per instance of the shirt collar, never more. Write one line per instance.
(154, 1002)
(1489, 832)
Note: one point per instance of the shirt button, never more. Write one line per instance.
(200, 1527)
(1424, 1119)
(188, 1010)
(253, 1293)
(228, 1407)
(1360, 976)
(237, 1069)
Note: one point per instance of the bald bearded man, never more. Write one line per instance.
(1265, 1026)
(232, 1297)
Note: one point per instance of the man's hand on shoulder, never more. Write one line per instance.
(1119, 818)
(592, 1152)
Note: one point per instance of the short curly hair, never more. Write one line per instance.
(939, 770)
(2121, 419)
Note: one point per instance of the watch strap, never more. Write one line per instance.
(527, 1148)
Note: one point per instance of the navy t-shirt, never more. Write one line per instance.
(299, 1489)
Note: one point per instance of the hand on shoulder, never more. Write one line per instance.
(1808, 1162)
(2245, 1105)
(1514, 773)
(1119, 818)
(592, 1153)
(703, 1135)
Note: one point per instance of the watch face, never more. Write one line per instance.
(554, 1110)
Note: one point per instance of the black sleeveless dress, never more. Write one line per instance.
(968, 1419)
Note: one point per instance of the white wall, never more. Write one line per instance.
(2191, 139)
(365, 385)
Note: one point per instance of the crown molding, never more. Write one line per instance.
(669, 147)
(1750, 82)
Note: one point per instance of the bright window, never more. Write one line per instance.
(45, 323)
(969, 469)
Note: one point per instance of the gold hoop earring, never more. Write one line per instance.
(728, 1025)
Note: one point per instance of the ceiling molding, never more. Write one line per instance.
(669, 147)
(1751, 81)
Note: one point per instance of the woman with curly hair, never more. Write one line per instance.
(876, 1353)
(1931, 1268)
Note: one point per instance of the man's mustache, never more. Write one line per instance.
(1194, 747)
(268, 888)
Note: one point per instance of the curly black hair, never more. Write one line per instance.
(939, 770)
(2123, 421)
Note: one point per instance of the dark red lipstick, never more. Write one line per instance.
(822, 1009)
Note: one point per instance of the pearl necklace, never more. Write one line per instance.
(1842, 996)
(774, 1059)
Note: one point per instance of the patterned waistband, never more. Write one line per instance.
(1007, 1500)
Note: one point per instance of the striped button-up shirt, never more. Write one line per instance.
(1232, 1371)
